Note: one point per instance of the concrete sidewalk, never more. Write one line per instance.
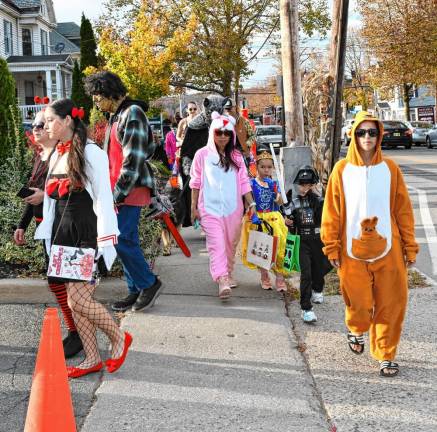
(198, 364)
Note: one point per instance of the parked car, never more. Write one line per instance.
(431, 137)
(396, 133)
(419, 129)
(346, 131)
(268, 134)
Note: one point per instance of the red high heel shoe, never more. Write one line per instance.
(76, 372)
(114, 364)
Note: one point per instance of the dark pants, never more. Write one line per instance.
(313, 266)
(136, 270)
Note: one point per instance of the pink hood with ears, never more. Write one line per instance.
(222, 122)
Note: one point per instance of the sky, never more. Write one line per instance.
(263, 66)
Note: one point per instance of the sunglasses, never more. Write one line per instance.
(361, 133)
(192, 109)
(39, 125)
(226, 133)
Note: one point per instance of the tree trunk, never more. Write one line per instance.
(237, 87)
(227, 83)
(291, 73)
(406, 97)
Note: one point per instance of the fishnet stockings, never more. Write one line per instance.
(89, 315)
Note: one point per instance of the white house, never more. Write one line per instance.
(39, 57)
(422, 105)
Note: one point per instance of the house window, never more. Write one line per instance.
(27, 41)
(29, 92)
(7, 30)
(44, 44)
(43, 9)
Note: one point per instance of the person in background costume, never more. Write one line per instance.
(245, 132)
(129, 143)
(34, 208)
(183, 124)
(306, 218)
(196, 137)
(79, 212)
(368, 232)
(268, 199)
(219, 181)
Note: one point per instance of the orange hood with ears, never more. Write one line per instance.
(353, 155)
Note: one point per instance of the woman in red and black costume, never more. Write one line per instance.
(45, 146)
(79, 212)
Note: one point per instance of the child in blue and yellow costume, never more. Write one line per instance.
(268, 199)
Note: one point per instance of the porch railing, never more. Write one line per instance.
(28, 111)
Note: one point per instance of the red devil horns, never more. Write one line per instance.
(37, 100)
(45, 100)
(78, 112)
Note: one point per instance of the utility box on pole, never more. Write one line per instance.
(291, 159)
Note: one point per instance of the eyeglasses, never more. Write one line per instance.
(192, 109)
(39, 125)
(361, 133)
(226, 133)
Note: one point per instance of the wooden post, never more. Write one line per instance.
(341, 8)
(291, 73)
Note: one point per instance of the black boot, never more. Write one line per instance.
(72, 344)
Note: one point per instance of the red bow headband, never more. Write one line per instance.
(41, 101)
(78, 112)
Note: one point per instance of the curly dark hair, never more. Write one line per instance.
(76, 156)
(106, 84)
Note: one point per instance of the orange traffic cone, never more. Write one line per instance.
(50, 407)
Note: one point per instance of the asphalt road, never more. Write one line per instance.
(419, 166)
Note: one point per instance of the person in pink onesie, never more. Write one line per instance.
(218, 182)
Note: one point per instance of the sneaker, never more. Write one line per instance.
(317, 298)
(266, 283)
(309, 316)
(232, 282)
(148, 296)
(224, 290)
(72, 344)
(126, 303)
(280, 284)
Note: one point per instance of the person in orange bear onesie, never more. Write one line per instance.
(368, 232)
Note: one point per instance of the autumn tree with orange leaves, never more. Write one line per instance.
(145, 51)
(402, 37)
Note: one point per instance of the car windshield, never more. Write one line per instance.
(422, 125)
(274, 130)
(394, 124)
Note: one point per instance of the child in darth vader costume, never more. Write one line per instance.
(306, 219)
(196, 137)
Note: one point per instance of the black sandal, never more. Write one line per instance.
(355, 340)
(386, 364)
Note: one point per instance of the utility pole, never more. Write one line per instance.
(291, 73)
(336, 68)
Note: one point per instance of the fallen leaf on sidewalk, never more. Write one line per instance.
(301, 347)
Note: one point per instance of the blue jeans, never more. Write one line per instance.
(137, 271)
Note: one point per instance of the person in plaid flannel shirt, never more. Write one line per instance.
(129, 143)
